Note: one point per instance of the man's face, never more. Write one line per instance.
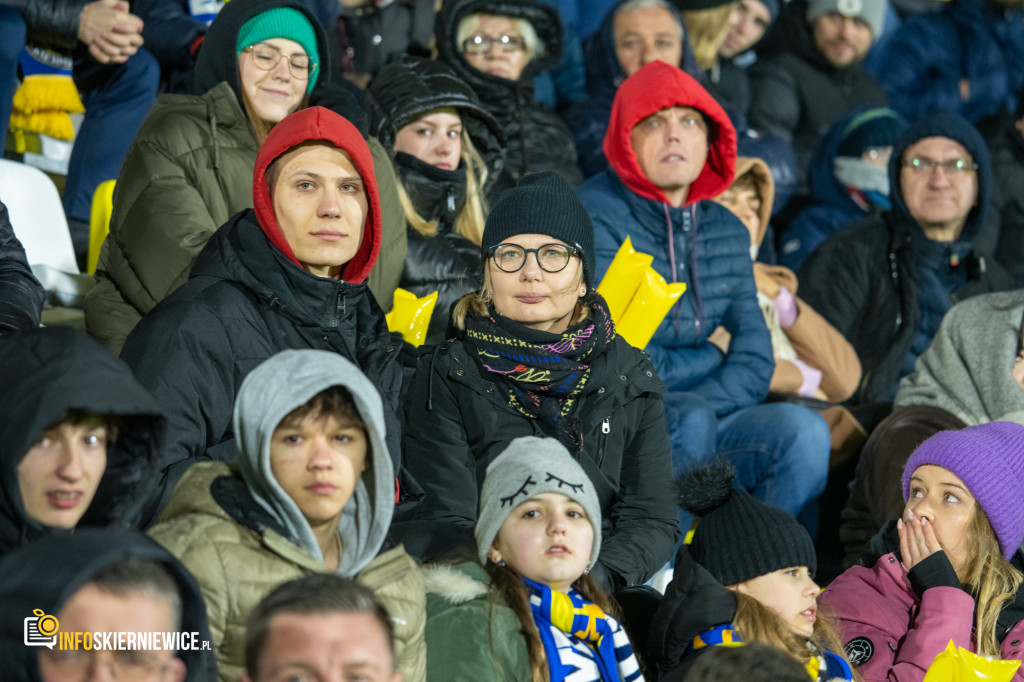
(320, 204)
(842, 40)
(328, 647)
(59, 475)
(317, 461)
(747, 24)
(671, 147)
(645, 35)
(94, 610)
(937, 198)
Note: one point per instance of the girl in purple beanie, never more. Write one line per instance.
(950, 568)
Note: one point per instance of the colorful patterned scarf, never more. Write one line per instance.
(544, 374)
(588, 633)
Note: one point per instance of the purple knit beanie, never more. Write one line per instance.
(989, 459)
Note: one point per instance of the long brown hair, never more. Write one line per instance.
(507, 587)
(991, 580)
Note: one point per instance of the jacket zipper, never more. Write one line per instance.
(606, 428)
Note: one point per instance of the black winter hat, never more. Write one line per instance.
(542, 203)
(739, 538)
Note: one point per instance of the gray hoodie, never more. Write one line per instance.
(268, 394)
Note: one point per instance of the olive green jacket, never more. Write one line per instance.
(187, 172)
(217, 531)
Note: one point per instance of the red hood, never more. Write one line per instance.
(659, 86)
(318, 123)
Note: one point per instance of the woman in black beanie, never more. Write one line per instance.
(747, 575)
(536, 353)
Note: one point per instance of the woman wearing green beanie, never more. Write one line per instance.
(191, 166)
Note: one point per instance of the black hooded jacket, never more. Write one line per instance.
(537, 138)
(21, 294)
(45, 574)
(885, 286)
(47, 372)
(446, 262)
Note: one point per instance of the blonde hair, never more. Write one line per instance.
(707, 29)
(469, 223)
(477, 303)
(531, 41)
(755, 622)
(991, 580)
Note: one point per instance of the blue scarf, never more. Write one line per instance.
(824, 666)
(606, 642)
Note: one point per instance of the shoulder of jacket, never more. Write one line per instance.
(452, 584)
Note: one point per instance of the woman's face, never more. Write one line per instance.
(546, 539)
(505, 59)
(532, 296)
(433, 138)
(790, 593)
(937, 494)
(272, 94)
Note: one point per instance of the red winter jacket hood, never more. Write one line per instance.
(318, 123)
(659, 86)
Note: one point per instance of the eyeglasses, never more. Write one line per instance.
(953, 166)
(267, 57)
(550, 257)
(482, 44)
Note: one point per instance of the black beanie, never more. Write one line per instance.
(739, 538)
(542, 203)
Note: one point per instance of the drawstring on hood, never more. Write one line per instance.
(313, 124)
(659, 86)
(269, 393)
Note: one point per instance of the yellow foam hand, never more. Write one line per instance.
(651, 302)
(957, 664)
(410, 315)
(622, 278)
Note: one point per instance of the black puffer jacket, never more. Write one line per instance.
(1006, 219)
(537, 138)
(446, 262)
(21, 294)
(797, 94)
(47, 372)
(50, 22)
(46, 574)
(457, 421)
(244, 302)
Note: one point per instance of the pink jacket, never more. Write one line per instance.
(893, 635)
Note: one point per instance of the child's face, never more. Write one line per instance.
(790, 593)
(547, 539)
(59, 475)
(745, 203)
(317, 461)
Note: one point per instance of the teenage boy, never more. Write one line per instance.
(312, 492)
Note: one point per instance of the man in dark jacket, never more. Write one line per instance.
(21, 294)
(94, 582)
(886, 282)
(77, 428)
(671, 147)
(1005, 222)
(798, 93)
(290, 273)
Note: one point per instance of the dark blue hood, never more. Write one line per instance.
(955, 127)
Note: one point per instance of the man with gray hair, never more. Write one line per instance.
(321, 625)
(818, 76)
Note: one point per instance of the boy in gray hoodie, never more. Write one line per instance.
(312, 492)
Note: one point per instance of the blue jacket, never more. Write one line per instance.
(921, 67)
(709, 246)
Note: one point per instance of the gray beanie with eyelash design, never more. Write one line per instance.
(526, 468)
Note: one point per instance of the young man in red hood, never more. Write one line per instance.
(290, 273)
(671, 147)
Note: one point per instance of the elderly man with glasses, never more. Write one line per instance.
(886, 282)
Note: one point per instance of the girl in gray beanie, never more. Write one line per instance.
(531, 611)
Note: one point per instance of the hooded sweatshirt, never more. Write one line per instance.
(51, 370)
(46, 574)
(241, 534)
(885, 285)
(700, 243)
(248, 298)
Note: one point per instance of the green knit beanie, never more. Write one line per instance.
(282, 22)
